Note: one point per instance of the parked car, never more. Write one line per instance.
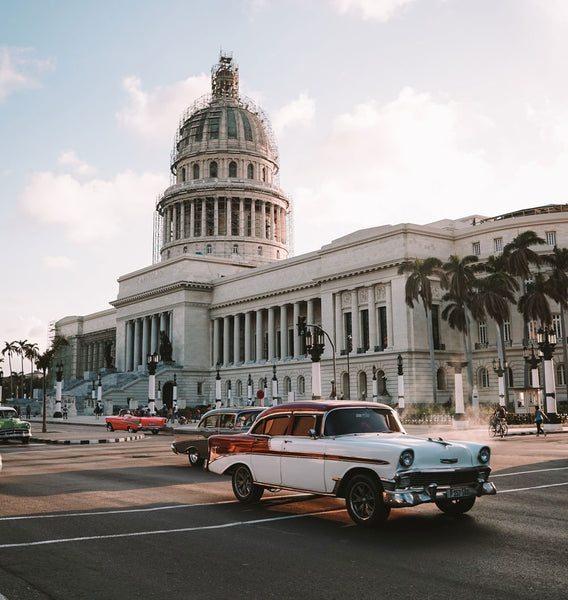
(354, 450)
(125, 421)
(193, 440)
(12, 427)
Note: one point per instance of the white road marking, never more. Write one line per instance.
(528, 472)
(536, 487)
(165, 531)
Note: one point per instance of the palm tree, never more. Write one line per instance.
(533, 304)
(418, 286)
(9, 349)
(31, 352)
(20, 351)
(461, 280)
(519, 256)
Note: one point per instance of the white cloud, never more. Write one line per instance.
(298, 112)
(93, 210)
(58, 262)
(68, 159)
(19, 70)
(379, 10)
(154, 115)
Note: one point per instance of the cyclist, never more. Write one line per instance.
(498, 418)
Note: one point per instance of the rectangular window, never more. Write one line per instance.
(214, 128)
(383, 333)
(348, 328)
(476, 248)
(482, 331)
(557, 325)
(532, 327)
(365, 329)
(507, 331)
(551, 238)
(498, 245)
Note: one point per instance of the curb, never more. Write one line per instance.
(85, 442)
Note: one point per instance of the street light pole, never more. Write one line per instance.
(218, 401)
(274, 386)
(349, 348)
(533, 361)
(546, 339)
(58, 387)
(249, 390)
(1, 383)
(152, 361)
(500, 370)
(400, 374)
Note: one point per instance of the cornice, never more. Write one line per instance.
(162, 290)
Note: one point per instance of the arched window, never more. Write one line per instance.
(510, 381)
(208, 249)
(232, 169)
(483, 378)
(363, 385)
(213, 169)
(441, 383)
(259, 250)
(235, 248)
(381, 383)
(195, 171)
(287, 385)
(183, 174)
(250, 171)
(239, 388)
(263, 174)
(185, 249)
(301, 385)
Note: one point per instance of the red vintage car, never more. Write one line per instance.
(126, 421)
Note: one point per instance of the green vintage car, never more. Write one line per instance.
(12, 427)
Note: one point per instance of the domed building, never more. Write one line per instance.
(220, 302)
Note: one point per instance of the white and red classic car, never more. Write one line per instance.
(125, 421)
(354, 450)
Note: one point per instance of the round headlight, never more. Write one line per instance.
(484, 455)
(406, 459)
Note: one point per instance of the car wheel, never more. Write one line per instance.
(492, 431)
(455, 506)
(154, 432)
(194, 459)
(244, 488)
(130, 429)
(364, 500)
(110, 427)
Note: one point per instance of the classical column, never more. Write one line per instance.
(165, 223)
(164, 322)
(283, 332)
(259, 355)
(310, 313)
(241, 217)
(247, 337)
(229, 211)
(297, 340)
(253, 217)
(271, 336)
(128, 344)
(174, 222)
(216, 357)
(136, 344)
(263, 225)
(355, 330)
(372, 318)
(203, 217)
(192, 218)
(339, 333)
(237, 339)
(145, 338)
(182, 221)
(155, 335)
(226, 340)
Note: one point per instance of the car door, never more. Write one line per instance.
(302, 458)
(267, 448)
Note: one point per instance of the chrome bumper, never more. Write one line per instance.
(402, 498)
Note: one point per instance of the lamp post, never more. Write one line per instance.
(152, 362)
(174, 394)
(1, 383)
(533, 361)
(500, 370)
(546, 340)
(218, 401)
(349, 349)
(93, 392)
(229, 393)
(315, 344)
(58, 387)
(249, 390)
(400, 374)
(274, 386)
(99, 394)
(375, 384)
(458, 386)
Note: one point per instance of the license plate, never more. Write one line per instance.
(459, 492)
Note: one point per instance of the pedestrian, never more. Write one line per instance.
(170, 416)
(175, 411)
(28, 411)
(65, 411)
(538, 418)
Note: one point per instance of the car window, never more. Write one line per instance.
(245, 420)
(277, 425)
(227, 421)
(359, 420)
(210, 422)
(303, 423)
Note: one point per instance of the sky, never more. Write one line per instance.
(385, 112)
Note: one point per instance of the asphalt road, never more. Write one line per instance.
(132, 520)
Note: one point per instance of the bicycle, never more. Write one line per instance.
(498, 427)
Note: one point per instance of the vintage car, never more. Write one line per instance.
(12, 427)
(193, 440)
(354, 450)
(125, 421)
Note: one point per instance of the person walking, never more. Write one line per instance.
(538, 418)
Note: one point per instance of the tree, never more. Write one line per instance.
(43, 363)
(418, 286)
(31, 352)
(9, 349)
(519, 256)
(20, 351)
(533, 304)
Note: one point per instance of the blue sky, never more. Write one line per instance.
(385, 111)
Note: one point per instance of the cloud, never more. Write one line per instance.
(298, 112)
(96, 209)
(58, 262)
(19, 70)
(154, 115)
(375, 10)
(68, 159)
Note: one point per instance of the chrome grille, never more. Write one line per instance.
(445, 477)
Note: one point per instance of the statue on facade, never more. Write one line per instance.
(165, 347)
(108, 355)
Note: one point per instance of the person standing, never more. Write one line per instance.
(538, 418)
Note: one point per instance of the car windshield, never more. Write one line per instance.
(246, 419)
(7, 413)
(341, 421)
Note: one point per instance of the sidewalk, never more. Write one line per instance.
(88, 429)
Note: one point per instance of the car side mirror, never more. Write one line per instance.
(312, 433)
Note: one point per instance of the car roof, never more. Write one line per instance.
(324, 405)
(234, 409)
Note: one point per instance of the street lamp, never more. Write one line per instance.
(546, 340)
(249, 390)
(274, 386)
(349, 349)
(174, 393)
(400, 374)
(533, 361)
(99, 396)
(1, 380)
(58, 387)
(218, 386)
(500, 370)
(375, 384)
(152, 362)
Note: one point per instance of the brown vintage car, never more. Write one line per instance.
(220, 421)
